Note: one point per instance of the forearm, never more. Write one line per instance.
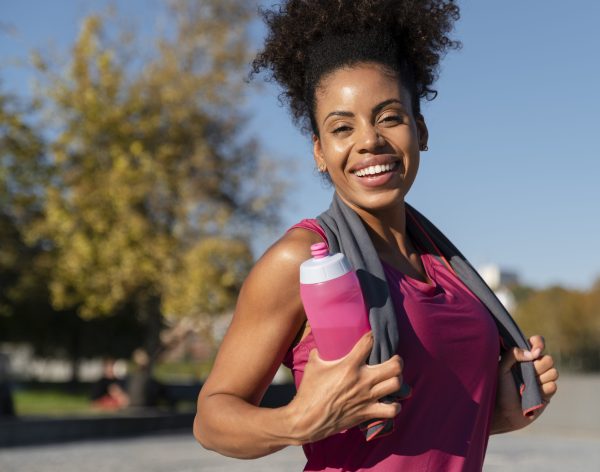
(233, 427)
(508, 415)
(511, 420)
(501, 424)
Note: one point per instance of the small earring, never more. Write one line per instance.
(322, 168)
(424, 147)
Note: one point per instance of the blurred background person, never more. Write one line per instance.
(144, 390)
(109, 392)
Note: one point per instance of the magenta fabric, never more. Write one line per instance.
(450, 347)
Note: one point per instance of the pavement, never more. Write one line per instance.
(565, 438)
(180, 453)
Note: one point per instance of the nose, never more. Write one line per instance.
(368, 138)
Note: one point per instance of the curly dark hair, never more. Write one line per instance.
(307, 39)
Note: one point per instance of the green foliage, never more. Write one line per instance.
(136, 194)
(26, 314)
(22, 174)
(215, 267)
(153, 195)
(569, 320)
(22, 162)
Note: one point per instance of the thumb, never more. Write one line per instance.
(313, 356)
(362, 349)
(514, 355)
(537, 345)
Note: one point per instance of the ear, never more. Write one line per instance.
(318, 152)
(422, 132)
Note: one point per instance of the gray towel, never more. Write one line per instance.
(346, 233)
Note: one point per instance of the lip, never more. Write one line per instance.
(379, 180)
(374, 161)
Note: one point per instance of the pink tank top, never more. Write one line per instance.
(450, 347)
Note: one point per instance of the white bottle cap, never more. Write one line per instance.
(323, 268)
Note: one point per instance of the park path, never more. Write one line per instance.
(566, 438)
(180, 453)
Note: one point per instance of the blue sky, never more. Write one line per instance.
(512, 174)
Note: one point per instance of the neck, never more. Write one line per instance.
(387, 228)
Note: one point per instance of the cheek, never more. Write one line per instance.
(336, 151)
(341, 147)
(410, 137)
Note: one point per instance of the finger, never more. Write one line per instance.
(387, 387)
(543, 364)
(512, 356)
(383, 410)
(537, 346)
(386, 370)
(549, 389)
(361, 350)
(548, 376)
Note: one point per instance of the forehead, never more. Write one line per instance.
(359, 86)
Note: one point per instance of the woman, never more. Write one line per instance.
(353, 73)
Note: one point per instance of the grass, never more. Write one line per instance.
(51, 403)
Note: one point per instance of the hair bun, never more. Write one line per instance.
(308, 38)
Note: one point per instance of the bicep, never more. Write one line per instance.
(267, 318)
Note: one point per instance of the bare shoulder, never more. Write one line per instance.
(274, 282)
(271, 293)
(289, 251)
(267, 318)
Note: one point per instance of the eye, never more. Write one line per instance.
(341, 129)
(391, 119)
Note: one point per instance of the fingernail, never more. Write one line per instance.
(528, 355)
(536, 352)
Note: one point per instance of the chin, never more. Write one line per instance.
(381, 202)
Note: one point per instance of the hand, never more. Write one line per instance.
(337, 395)
(508, 415)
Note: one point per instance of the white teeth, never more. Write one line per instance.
(372, 170)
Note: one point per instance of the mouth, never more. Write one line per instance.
(377, 170)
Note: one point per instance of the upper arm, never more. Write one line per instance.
(267, 317)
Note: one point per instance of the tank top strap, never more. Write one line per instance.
(313, 225)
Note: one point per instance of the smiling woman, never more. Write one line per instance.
(353, 74)
(369, 139)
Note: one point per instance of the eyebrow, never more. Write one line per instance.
(385, 103)
(376, 109)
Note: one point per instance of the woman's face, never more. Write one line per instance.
(368, 139)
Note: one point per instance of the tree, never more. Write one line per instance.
(591, 348)
(23, 267)
(26, 314)
(22, 171)
(569, 321)
(153, 197)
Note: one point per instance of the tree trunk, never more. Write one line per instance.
(143, 389)
(75, 358)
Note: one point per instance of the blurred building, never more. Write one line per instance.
(24, 365)
(500, 281)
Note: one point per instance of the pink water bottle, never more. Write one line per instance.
(333, 302)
